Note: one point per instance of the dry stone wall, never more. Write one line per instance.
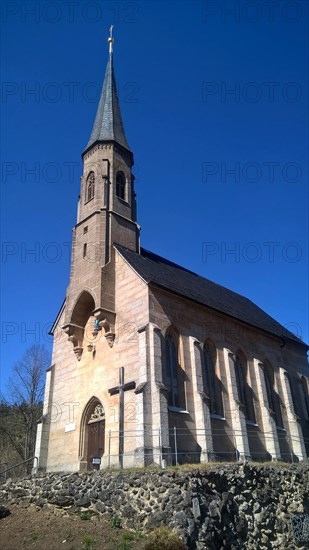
(223, 507)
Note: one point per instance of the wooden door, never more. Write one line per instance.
(96, 440)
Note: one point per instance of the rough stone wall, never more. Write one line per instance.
(222, 507)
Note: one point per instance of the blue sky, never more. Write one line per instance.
(216, 170)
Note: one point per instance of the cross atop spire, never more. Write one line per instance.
(108, 125)
(111, 39)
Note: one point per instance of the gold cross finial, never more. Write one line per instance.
(111, 39)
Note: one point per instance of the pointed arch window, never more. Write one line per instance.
(292, 393)
(212, 384)
(304, 397)
(90, 185)
(272, 396)
(121, 185)
(173, 376)
(245, 395)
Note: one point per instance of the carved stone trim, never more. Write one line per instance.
(161, 386)
(204, 396)
(110, 337)
(197, 342)
(78, 352)
(75, 336)
(140, 388)
(73, 340)
(71, 326)
(97, 415)
(105, 325)
(155, 327)
(105, 319)
(271, 412)
(142, 328)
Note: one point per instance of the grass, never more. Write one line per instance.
(69, 536)
(38, 529)
(163, 538)
(215, 465)
(88, 543)
(126, 544)
(199, 466)
(115, 522)
(128, 536)
(85, 515)
(130, 540)
(33, 537)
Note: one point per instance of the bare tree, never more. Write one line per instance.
(23, 407)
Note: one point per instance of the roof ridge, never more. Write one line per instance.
(204, 291)
(198, 275)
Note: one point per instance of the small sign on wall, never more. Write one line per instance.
(96, 461)
(69, 427)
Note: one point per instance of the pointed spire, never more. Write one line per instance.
(108, 125)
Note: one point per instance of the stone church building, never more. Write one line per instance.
(152, 363)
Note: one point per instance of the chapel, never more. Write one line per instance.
(153, 364)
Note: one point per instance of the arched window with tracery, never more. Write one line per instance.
(121, 185)
(212, 384)
(173, 375)
(90, 185)
(272, 395)
(245, 395)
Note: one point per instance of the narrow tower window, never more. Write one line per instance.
(85, 250)
(120, 185)
(90, 187)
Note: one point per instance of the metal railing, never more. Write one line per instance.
(4, 472)
(174, 446)
(179, 452)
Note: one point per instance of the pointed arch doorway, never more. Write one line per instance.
(92, 437)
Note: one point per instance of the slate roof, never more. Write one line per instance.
(108, 125)
(156, 270)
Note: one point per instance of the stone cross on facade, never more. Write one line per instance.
(113, 391)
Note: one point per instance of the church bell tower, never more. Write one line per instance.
(106, 215)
